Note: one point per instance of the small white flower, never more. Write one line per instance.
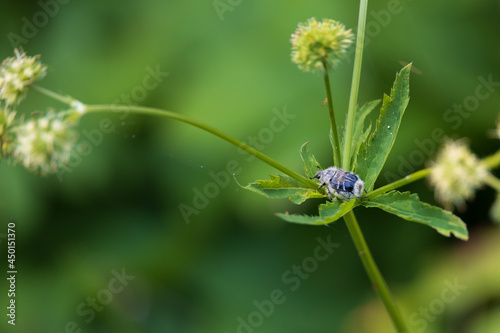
(45, 144)
(456, 174)
(17, 74)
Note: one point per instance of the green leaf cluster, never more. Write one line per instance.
(369, 153)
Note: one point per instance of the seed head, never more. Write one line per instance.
(17, 74)
(44, 144)
(456, 174)
(314, 42)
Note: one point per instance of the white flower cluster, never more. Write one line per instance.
(43, 142)
(17, 74)
(456, 174)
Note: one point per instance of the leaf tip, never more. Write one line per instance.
(463, 236)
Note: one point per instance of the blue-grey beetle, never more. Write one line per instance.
(340, 183)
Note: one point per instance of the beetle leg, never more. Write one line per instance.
(329, 194)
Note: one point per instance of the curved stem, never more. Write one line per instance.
(356, 76)
(335, 135)
(171, 115)
(376, 278)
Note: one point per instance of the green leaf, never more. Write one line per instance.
(359, 121)
(328, 212)
(373, 153)
(302, 196)
(282, 186)
(278, 187)
(358, 137)
(409, 207)
(363, 139)
(310, 163)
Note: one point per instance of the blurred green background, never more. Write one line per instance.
(228, 64)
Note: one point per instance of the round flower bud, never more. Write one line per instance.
(316, 42)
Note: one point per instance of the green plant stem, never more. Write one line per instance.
(493, 181)
(64, 99)
(377, 280)
(356, 76)
(492, 161)
(171, 115)
(371, 268)
(400, 182)
(336, 143)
